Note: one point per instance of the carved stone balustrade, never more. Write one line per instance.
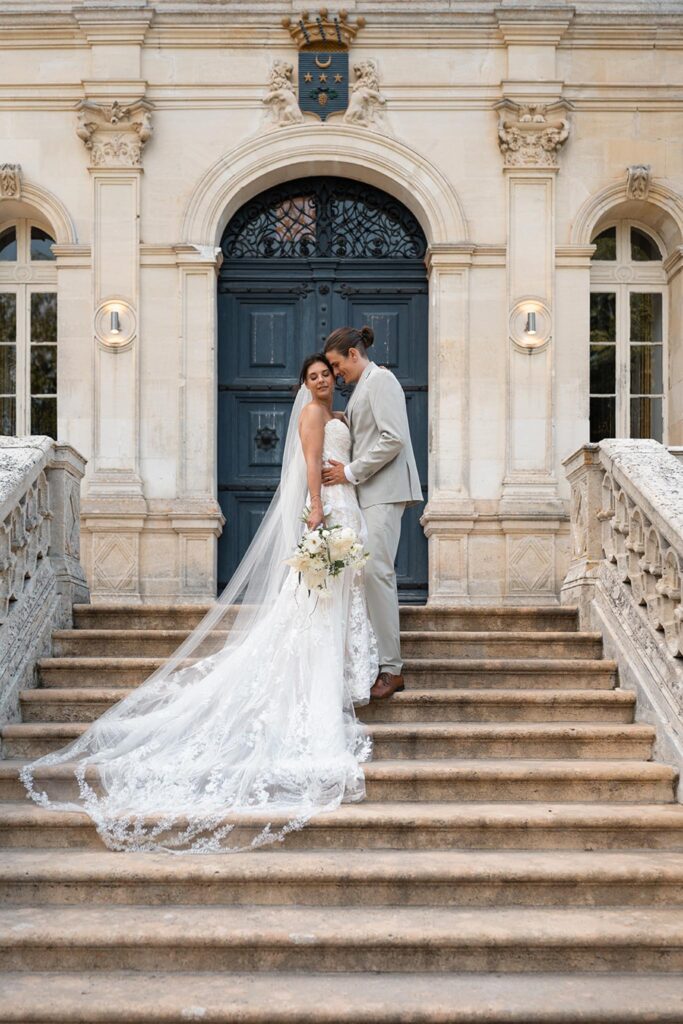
(40, 572)
(626, 571)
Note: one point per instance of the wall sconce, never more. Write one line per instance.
(530, 324)
(115, 323)
(530, 327)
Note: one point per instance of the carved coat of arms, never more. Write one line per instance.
(323, 77)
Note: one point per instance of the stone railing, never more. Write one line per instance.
(626, 571)
(40, 571)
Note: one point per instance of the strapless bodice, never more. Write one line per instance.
(337, 441)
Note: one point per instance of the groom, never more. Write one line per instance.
(385, 475)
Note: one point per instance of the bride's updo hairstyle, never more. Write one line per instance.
(346, 338)
(317, 357)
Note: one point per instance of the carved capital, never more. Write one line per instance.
(638, 178)
(114, 134)
(10, 181)
(531, 135)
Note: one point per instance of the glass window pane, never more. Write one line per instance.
(40, 245)
(8, 317)
(8, 244)
(44, 416)
(646, 316)
(643, 247)
(602, 418)
(603, 369)
(43, 317)
(8, 369)
(646, 370)
(603, 317)
(646, 418)
(8, 416)
(43, 369)
(606, 245)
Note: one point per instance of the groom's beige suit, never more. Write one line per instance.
(385, 474)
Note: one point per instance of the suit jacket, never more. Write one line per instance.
(383, 463)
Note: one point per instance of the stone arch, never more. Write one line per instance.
(662, 211)
(303, 150)
(34, 199)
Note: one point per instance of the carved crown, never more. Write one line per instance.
(323, 31)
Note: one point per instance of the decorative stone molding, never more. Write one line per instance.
(10, 181)
(40, 572)
(529, 136)
(341, 150)
(114, 134)
(281, 98)
(627, 565)
(366, 99)
(638, 179)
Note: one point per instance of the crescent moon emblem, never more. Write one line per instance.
(321, 63)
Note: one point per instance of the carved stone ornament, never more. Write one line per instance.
(322, 30)
(281, 98)
(531, 135)
(638, 181)
(10, 181)
(114, 134)
(366, 99)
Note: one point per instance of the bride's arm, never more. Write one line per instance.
(312, 434)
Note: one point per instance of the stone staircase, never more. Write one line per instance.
(519, 857)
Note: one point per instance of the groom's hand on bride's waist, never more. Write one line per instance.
(333, 473)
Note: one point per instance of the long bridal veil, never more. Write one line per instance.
(245, 731)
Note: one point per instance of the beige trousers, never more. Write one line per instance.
(384, 532)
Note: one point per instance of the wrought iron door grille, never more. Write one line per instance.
(329, 218)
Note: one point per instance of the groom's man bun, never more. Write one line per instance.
(345, 338)
(368, 336)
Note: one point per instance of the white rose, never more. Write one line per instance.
(341, 543)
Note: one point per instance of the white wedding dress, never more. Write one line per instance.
(246, 743)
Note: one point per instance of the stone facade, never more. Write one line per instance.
(513, 131)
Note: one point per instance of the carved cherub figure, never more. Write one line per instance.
(281, 98)
(365, 95)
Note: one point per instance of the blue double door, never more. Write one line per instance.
(272, 313)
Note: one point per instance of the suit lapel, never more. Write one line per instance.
(358, 389)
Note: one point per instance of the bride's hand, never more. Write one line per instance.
(316, 516)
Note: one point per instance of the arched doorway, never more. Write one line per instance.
(300, 259)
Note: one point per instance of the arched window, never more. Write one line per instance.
(28, 330)
(628, 334)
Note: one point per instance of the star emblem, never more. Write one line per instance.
(308, 77)
(323, 77)
(338, 78)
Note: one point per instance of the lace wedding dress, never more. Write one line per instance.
(234, 748)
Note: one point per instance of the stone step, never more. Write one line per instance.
(452, 878)
(506, 644)
(408, 826)
(138, 997)
(87, 704)
(420, 673)
(157, 643)
(341, 939)
(415, 739)
(449, 780)
(186, 617)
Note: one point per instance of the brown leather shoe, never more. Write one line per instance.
(386, 685)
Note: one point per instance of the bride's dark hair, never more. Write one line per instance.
(317, 357)
(345, 338)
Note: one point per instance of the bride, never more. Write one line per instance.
(252, 718)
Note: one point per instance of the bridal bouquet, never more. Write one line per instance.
(325, 552)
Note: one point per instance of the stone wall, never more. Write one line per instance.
(626, 572)
(508, 129)
(40, 572)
